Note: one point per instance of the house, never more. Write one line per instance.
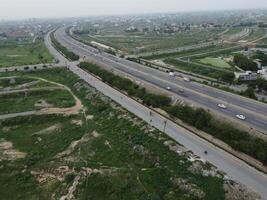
(246, 76)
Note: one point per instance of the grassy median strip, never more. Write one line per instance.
(70, 55)
(199, 118)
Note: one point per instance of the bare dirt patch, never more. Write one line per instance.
(51, 129)
(188, 187)
(77, 122)
(76, 144)
(236, 191)
(75, 110)
(7, 152)
(43, 104)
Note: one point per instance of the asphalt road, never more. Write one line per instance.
(235, 169)
(201, 95)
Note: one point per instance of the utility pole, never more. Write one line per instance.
(165, 123)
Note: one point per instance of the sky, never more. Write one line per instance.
(16, 9)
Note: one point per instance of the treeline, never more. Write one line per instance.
(260, 85)
(262, 56)
(70, 55)
(128, 86)
(199, 118)
(237, 139)
(245, 63)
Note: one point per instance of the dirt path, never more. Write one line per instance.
(74, 110)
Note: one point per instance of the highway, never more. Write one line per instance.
(200, 95)
(235, 169)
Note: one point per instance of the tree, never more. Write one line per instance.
(249, 93)
(245, 63)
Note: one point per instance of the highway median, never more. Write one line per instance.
(68, 54)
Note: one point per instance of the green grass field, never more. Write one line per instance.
(113, 155)
(24, 54)
(30, 91)
(217, 62)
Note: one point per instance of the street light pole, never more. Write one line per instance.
(165, 123)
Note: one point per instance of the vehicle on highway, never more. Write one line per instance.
(181, 90)
(171, 74)
(186, 79)
(168, 88)
(241, 117)
(222, 106)
(205, 152)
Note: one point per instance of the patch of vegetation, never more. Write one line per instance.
(131, 174)
(260, 85)
(24, 54)
(68, 54)
(210, 72)
(25, 101)
(135, 43)
(126, 85)
(217, 62)
(245, 63)
(13, 81)
(237, 139)
(263, 57)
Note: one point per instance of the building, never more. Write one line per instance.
(246, 76)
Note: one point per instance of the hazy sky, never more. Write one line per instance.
(12, 9)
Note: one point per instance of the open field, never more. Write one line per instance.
(28, 94)
(140, 43)
(255, 35)
(233, 30)
(205, 50)
(217, 62)
(102, 152)
(24, 54)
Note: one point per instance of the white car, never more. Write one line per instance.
(241, 117)
(171, 74)
(222, 106)
(186, 79)
(168, 88)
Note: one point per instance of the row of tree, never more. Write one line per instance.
(199, 118)
(198, 69)
(237, 139)
(260, 85)
(128, 86)
(68, 54)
